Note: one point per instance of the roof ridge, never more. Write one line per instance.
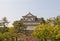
(29, 14)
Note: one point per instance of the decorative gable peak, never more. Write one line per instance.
(29, 14)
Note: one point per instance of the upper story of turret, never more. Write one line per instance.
(30, 18)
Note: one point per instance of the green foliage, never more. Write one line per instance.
(6, 35)
(13, 32)
(42, 20)
(4, 29)
(47, 31)
(1, 37)
(19, 26)
(54, 21)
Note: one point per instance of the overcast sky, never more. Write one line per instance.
(14, 9)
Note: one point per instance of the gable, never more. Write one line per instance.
(29, 14)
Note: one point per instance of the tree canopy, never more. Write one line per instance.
(19, 26)
(47, 31)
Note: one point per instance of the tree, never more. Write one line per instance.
(42, 20)
(5, 22)
(41, 32)
(13, 33)
(6, 36)
(1, 37)
(57, 21)
(4, 29)
(53, 21)
(19, 26)
(57, 32)
(47, 31)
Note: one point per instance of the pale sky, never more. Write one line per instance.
(15, 9)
